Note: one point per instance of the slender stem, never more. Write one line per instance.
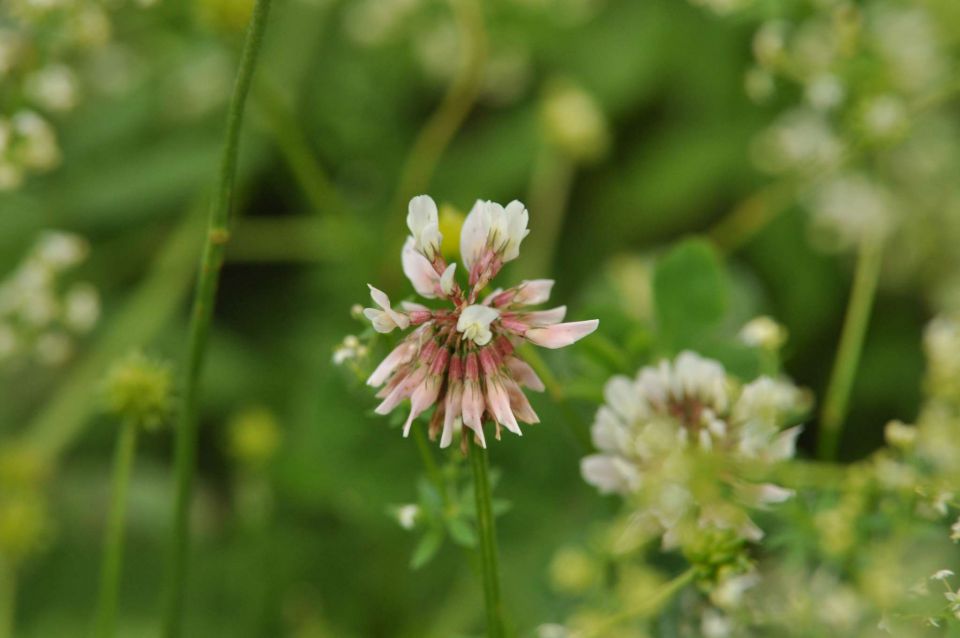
(488, 542)
(113, 546)
(209, 277)
(869, 260)
(667, 592)
(751, 216)
(429, 463)
(8, 599)
(550, 187)
(291, 141)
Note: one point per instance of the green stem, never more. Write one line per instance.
(113, 546)
(837, 399)
(291, 141)
(8, 599)
(488, 542)
(209, 277)
(667, 592)
(429, 463)
(550, 187)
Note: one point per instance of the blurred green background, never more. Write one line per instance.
(305, 545)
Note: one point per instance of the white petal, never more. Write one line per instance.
(423, 222)
(561, 334)
(473, 235)
(446, 279)
(419, 271)
(533, 292)
(516, 220)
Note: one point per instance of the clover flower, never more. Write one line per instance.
(462, 358)
(670, 436)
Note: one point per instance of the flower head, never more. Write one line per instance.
(461, 359)
(661, 435)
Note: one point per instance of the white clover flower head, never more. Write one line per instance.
(649, 427)
(424, 223)
(384, 319)
(462, 358)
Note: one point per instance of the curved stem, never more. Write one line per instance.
(488, 541)
(113, 546)
(447, 119)
(291, 141)
(837, 399)
(649, 606)
(211, 262)
(8, 599)
(550, 187)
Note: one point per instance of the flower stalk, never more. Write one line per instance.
(856, 322)
(105, 626)
(488, 541)
(8, 599)
(212, 260)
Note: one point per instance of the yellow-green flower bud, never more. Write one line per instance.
(24, 526)
(139, 390)
(573, 122)
(254, 436)
(572, 571)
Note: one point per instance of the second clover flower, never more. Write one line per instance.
(462, 358)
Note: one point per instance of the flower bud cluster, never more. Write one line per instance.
(40, 313)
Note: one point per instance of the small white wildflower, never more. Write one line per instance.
(81, 307)
(900, 435)
(942, 575)
(824, 92)
(407, 515)
(386, 318)
(54, 88)
(474, 323)
(349, 349)
(53, 348)
(763, 332)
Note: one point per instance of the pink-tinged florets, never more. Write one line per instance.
(462, 358)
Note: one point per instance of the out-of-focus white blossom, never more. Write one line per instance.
(850, 209)
(658, 436)
(40, 315)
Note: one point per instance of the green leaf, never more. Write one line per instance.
(430, 497)
(427, 548)
(691, 295)
(462, 532)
